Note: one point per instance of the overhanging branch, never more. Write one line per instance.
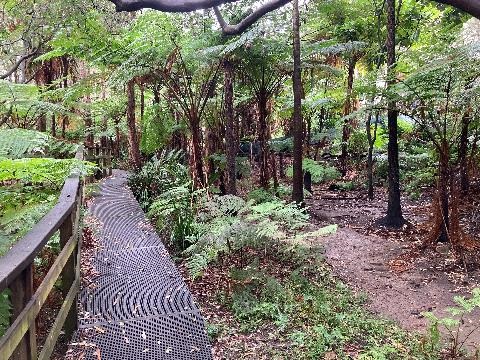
(469, 6)
(168, 5)
(17, 64)
(250, 19)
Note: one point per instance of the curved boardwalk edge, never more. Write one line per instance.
(139, 306)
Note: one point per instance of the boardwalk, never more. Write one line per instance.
(140, 307)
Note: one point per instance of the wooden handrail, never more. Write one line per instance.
(26, 249)
(16, 273)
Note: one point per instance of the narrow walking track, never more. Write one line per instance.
(140, 307)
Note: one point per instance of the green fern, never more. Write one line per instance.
(321, 173)
(19, 143)
(228, 223)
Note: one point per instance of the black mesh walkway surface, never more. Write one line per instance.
(139, 306)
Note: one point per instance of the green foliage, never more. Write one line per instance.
(228, 223)
(344, 185)
(173, 214)
(357, 143)
(321, 173)
(5, 307)
(317, 313)
(18, 143)
(452, 325)
(260, 195)
(157, 129)
(161, 173)
(21, 143)
(41, 170)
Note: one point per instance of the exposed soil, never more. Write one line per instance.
(215, 285)
(401, 278)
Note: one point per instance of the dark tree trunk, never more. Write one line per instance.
(348, 108)
(274, 170)
(262, 139)
(134, 147)
(281, 170)
(462, 154)
(443, 191)
(297, 186)
(142, 101)
(42, 123)
(89, 137)
(371, 141)
(230, 146)
(64, 126)
(196, 153)
(394, 216)
(54, 126)
(118, 138)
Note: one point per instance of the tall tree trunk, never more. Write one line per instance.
(42, 123)
(89, 136)
(297, 186)
(462, 153)
(134, 146)
(64, 126)
(371, 141)
(196, 153)
(54, 126)
(262, 138)
(230, 146)
(348, 108)
(394, 216)
(443, 191)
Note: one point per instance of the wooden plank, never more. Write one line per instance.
(52, 337)
(68, 272)
(20, 326)
(21, 293)
(26, 249)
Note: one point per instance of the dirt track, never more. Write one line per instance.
(400, 281)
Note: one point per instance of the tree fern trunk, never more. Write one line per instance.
(297, 187)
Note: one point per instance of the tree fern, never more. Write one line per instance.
(21, 143)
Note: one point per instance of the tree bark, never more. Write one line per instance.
(196, 153)
(394, 216)
(470, 6)
(54, 126)
(42, 123)
(262, 139)
(348, 108)
(443, 191)
(134, 146)
(371, 141)
(297, 186)
(230, 146)
(462, 153)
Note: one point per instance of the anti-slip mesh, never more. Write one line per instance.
(138, 307)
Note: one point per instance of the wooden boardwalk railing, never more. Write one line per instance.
(101, 154)
(17, 268)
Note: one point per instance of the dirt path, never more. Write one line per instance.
(399, 281)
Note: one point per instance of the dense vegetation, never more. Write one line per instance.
(236, 135)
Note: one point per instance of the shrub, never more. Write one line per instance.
(321, 173)
(163, 172)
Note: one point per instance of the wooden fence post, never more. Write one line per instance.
(89, 157)
(21, 292)
(110, 153)
(69, 271)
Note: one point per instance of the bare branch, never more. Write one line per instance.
(168, 5)
(17, 64)
(469, 6)
(249, 20)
